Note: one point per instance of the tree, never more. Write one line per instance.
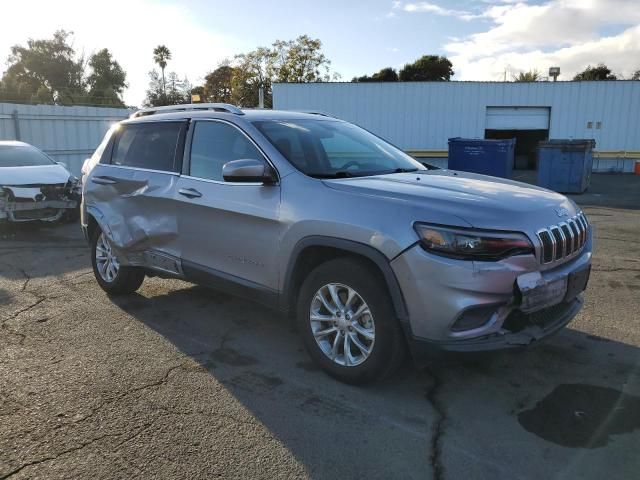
(218, 86)
(161, 55)
(107, 80)
(299, 60)
(46, 69)
(530, 76)
(636, 75)
(172, 91)
(385, 75)
(599, 72)
(428, 68)
(253, 70)
(49, 71)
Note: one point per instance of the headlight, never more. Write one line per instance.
(469, 244)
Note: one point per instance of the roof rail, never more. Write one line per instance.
(316, 112)
(218, 107)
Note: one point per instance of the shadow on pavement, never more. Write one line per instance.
(62, 240)
(257, 356)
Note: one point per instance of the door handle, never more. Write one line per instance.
(100, 180)
(190, 192)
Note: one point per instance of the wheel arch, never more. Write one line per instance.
(314, 250)
(95, 221)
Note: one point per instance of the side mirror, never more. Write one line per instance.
(248, 171)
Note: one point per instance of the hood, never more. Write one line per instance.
(480, 200)
(39, 175)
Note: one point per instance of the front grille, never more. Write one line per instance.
(563, 240)
(517, 320)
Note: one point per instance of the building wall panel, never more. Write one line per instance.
(67, 134)
(422, 116)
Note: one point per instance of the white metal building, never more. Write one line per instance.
(420, 117)
(67, 134)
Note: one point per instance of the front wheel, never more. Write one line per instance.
(113, 278)
(347, 322)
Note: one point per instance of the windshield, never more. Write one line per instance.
(22, 156)
(334, 149)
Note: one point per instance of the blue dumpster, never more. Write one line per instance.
(565, 165)
(489, 157)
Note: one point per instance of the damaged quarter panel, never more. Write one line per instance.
(132, 201)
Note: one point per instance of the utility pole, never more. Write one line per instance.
(261, 97)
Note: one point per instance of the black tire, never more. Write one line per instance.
(126, 281)
(388, 348)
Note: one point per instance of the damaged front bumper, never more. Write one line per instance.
(44, 203)
(520, 330)
(458, 306)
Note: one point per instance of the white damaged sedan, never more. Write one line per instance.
(33, 187)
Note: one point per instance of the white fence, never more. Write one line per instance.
(67, 134)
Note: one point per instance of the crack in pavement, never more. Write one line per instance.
(159, 382)
(435, 455)
(16, 315)
(26, 281)
(58, 455)
(173, 411)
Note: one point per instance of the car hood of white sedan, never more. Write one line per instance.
(32, 176)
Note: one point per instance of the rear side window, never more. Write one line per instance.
(216, 143)
(148, 145)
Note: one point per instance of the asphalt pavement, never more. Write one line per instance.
(178, 381)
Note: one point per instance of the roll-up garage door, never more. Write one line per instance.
(517, 118)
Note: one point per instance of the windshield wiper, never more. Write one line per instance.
(405, 170)
(340, 174)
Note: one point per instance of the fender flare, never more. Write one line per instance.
(361, 249)
(98, 217)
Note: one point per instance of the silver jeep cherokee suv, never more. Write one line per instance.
(373, 251)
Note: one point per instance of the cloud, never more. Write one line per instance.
(427, 7)
(563, 33)
(129, 29)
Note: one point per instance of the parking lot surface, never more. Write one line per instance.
(178, 381)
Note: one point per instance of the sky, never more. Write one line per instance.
(484, 39)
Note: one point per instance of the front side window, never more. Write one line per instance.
(22, 156)
(334, 149)
(216, 143)
(148, 145)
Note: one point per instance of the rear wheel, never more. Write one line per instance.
(115, 279)
(347, 322)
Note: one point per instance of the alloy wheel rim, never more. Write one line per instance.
(342, 324)
(106, 260)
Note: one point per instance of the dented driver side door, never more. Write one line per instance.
(131, 193)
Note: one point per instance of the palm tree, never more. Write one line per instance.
(161, 54)
(530, 76)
